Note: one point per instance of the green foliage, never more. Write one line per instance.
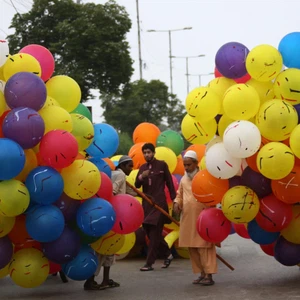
(125, 143)
(88, 41)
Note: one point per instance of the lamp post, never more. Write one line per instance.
(139, 38)
(170, 49)
(187, 67)
(200, 75)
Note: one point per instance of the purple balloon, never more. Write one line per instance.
(24, 126)
(234, 181)
(67, 206)
(6, 251)
(25, 89)
(231, 60)
(257, 182)
(297, 107)
(64, 249)
(287, 253)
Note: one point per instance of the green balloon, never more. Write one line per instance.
(82, 110)
(84, 238)
(172, 140)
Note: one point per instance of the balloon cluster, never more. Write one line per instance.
(247, 118)
(57, 207)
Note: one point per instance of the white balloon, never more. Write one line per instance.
(213, 141)
(220, 164)
(2, 85)
(4, 51)
(242, 139)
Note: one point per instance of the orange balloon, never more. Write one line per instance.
(31, 162)
(136, 153)
(179, 167)
(208, 189)
(145, 132)
(287, 189)
(80, 156)
(110, 163)
(199, 149)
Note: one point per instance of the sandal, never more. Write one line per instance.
(167, 262)
(197, 281)
(207, 281)
(112, 284)
(146, 268)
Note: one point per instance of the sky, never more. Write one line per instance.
(213, 23)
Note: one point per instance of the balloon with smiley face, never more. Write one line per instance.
(109, 244)
(6, 225)
(4, 51)
(264, 89)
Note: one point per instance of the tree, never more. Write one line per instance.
(88, 41)
(125, 143)
(142, 101)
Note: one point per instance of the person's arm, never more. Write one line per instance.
(169, 182)
(139, 180)
(178, 202)
(117, 184)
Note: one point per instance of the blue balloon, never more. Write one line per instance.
(105, 143)
(45, 223)
(101, 164)
(83, 266)
(45, 185)
(259, 235)
(289, 47)
(95, 217)
(12, 159)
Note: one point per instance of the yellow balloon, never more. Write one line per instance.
(240, 204)
(50, 102)
(115, 159)
(56, 117)
(1, 74)
(264, 62)
(83, 130)
(276, 120)
(275, 160)
(203, 163)
(139, 199)
(30, 163)
(292, 232)
(65, 90)
(241, 102)
(129, 242)
(29, 268)
(203, 103)
(287, 86)
(167, 155)
(183, 252)
(198, 132)
(109, 244)
(2, 103)
(224, 122)
(172, 237)
(6, 225)
(81, 179)
(295, 141)
(4, 271)
(21, 62)
(264, 89)
(14, 198)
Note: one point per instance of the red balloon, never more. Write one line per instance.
(54, 268)
(167, 193)
(58, 148)
(268, 249)
(274, 215)
(129, 213)
(106, 188)
(217, 73)
(241, 230)
(243, 79)
(213, 226)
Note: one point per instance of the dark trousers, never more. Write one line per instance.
(157, 243)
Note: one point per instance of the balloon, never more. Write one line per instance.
(242, 139)
(43, 56)
(136, 153)
(230, 60)
(6, 251)
(129, 213)
(82, 110)
(25, 89)
(65, 90)
(167, 192)
(14, 198)
(240, 204)
(45, 223)
(81, 179)
(29, 268)
(30, 164)
(203, 104)
(289, 47)
(275, 160)
(45, 185)
(145, 133)
(291, 232)
(179, 170)
(105, 143)
(96, 217)
(101, 165)
(264, 89)
(83, 266)
(109, 244)
(49, 102)
(295, 141)
(58, 148)
(264, 62)
(6, 225)
(212, 225)
(106, 188)
(276, 119)
(4, 271)
(110, 163)
(84, 238)
(172, 140)
(3, 106)
(171, 238)
(132, 176)
(64, 249)
(199, 149)
(243, 79)
(268, 249)
(12, 159)
(167, 155)
(241, 102)
(273, 215)
(54, 268)
(241, 230)
(4, 51)
(234, 181)
(196, 132)
(129, 242)
(286, 252)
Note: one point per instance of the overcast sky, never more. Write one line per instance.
(213, 23)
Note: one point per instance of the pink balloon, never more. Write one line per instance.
(106, 188)
(167, 193)
(43, 56)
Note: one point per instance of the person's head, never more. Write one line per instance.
(148, 150)
(125, 164)
(190, 162)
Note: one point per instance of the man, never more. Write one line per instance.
(153, 176)
(118, 177)
(202, 253)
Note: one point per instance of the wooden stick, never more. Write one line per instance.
(141, 194)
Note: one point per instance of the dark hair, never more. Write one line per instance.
(148, 146)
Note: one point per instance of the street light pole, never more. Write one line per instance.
(170, 49)
(199, 76)
(139, 39)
